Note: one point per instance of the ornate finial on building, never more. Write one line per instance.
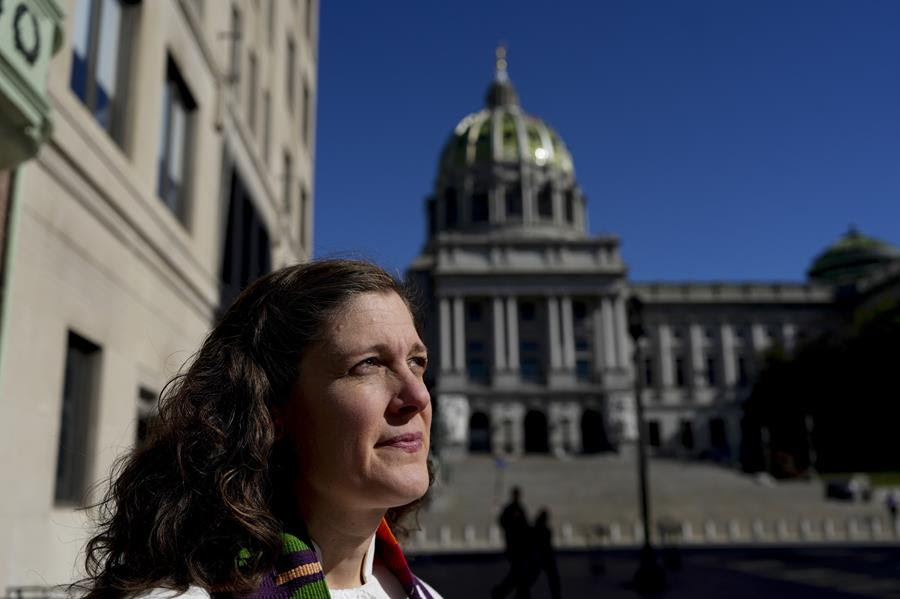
(501, 62)
(501, 92)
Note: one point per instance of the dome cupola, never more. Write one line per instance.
(503, 169)
(851, 258)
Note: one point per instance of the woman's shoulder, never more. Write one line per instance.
(192, 592)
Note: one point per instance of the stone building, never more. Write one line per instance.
(179, 168)
(526, 310)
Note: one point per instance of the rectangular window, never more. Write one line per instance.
(303, 208)
(687, 434)
(267, 126)
(247, 253)
(480, 207)
(545, 202)
(653, 433)
(711, 371)
(477, 369)
(474, 311)
(742, 375)
(270, 26)
(234, 64)
(527, 311)
(583, 370)
(308, 22)
(680, 378)
(80, 390)
(287, 182)
(251, 92)
(451, 210)
(174, 142)
(513, 202)
(101, 43)
(291, 66)
(648, 372)
(582, 344)
(148, 412)
(570, 206)
(307, 113)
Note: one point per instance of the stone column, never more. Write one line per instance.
(568, 333)
(599, 345)
(758, 338)
(609, 339)
(459, 335)
(698, 364)
(664, 356)
(623, 343)
(446, 336)
(512, 329)
(729, 362)
(553, 333)
(499, 336)
(789, 334)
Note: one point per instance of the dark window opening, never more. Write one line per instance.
(648, 372)
(480, 210)
(528, 311)
(545, 202)
(513, 202)
(175, 142)
(717, 435)
(247, 252)
(475, 311)
(148, 414)
(291, 66)
(583, 370)
(101, 46)
(679, 372)
(653, 433)
(711, 377)
(479, 433)
(579, 311)
(451, 209)
(743, 378)
(687, 434)
(80, 389)
(570, 206)
(536, 437)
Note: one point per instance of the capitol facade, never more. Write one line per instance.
(526, 311)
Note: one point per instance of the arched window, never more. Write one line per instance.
(536, 432)
(593, 432)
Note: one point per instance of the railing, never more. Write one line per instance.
(853, 529)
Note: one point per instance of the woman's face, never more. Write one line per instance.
(360, 415)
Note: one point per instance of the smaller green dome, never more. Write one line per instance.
(851, 257)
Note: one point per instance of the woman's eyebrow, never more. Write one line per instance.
(416, 348)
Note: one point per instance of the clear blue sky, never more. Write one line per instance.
(719, 140)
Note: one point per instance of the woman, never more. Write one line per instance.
(283, 455)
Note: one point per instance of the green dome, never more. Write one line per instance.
(852, 257)
(505, 134)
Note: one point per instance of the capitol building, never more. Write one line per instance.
(526, 311)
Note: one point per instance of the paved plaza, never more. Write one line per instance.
(799, 573)
(582, 493)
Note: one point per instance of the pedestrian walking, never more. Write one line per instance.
(519, 550)
(543, 543)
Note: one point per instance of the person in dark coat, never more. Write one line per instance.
(519, 550)
(543, 544)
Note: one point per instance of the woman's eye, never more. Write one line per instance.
(419, 362)
(364, 365)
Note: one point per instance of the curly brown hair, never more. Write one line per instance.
(212, 480)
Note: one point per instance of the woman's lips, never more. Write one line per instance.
(408, 442)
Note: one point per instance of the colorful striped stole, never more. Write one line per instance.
(298, 573)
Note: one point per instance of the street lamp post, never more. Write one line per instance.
(650, 577)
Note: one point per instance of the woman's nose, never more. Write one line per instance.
(412, 396)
